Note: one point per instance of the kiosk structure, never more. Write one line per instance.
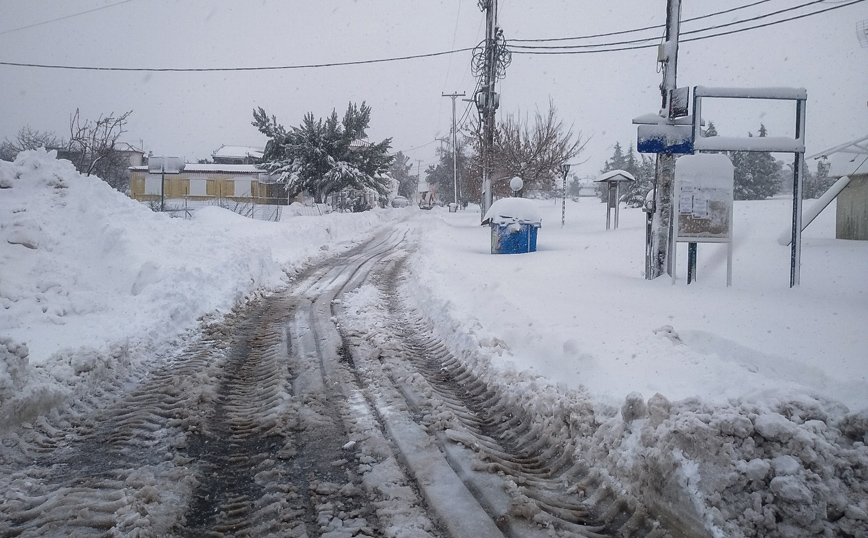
(702, 204)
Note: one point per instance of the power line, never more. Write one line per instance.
(699, 38)
(225, 69)
(611, 47)
(642, 29)
(65, 17)
(641, 40)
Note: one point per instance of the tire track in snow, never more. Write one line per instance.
(520, 467)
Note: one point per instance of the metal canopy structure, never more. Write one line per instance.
(613, 180)
(854, 147)
(794, 145)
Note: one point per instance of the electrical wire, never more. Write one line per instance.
(611, 47)
(4, 32)
(640, 40)
(642, 29)
(699, 38)
(225, 69)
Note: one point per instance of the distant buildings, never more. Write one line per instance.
(232, 176)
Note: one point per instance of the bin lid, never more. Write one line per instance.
(512, 210)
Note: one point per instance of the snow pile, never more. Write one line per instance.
(94, 284)
(756, 420)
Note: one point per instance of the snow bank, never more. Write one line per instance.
(756, 420)
(93, 284)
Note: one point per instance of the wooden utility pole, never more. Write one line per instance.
(454, 143)
(486, 98)
(661, 223)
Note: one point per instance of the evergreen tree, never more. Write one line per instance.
(642, 169)
(400, 172)
(440, 175)
(711, 130)
(616, 162)
(322, 157)
(816, 184)
(757, 173)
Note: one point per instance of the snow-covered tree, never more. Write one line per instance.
(441, 175)
(642, 168)
(817, 183)
(321, 157)
(400, 172)
(757, 173)
(711, 130)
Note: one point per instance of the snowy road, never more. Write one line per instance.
(297, 415)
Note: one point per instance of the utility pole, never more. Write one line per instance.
(661, 224)
(454, 143)
(490, 59)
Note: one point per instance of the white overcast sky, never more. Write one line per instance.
(193, 114)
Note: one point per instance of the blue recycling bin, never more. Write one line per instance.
(514, 224)
(514, 238)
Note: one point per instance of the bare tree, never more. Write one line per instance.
(533, 152)
(29, 138)
(93, 147)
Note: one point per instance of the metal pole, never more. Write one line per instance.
(798, 180)
(617, 199)
(162, 185)
(454, 143)
(565, 168)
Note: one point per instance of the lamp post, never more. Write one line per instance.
(565, 168)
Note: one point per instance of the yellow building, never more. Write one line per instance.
(206, 182)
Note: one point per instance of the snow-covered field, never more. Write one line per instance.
(752, 399)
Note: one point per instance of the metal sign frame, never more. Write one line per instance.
(794, 145)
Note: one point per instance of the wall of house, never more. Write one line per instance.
(852, 210)
(203, 186)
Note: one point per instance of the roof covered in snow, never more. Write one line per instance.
(231, 168)
(616, 175)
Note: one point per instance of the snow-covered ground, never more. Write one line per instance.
(753, 396)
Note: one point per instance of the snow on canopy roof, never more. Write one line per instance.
(616, 175)
(512, 210)
(846, 159)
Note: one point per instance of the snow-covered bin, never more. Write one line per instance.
(514, 223)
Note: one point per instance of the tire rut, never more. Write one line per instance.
(529, 458)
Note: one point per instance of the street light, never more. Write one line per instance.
(565, 169)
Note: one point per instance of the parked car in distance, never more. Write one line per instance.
(400, 201)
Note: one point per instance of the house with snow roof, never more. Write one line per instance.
(242, 183)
